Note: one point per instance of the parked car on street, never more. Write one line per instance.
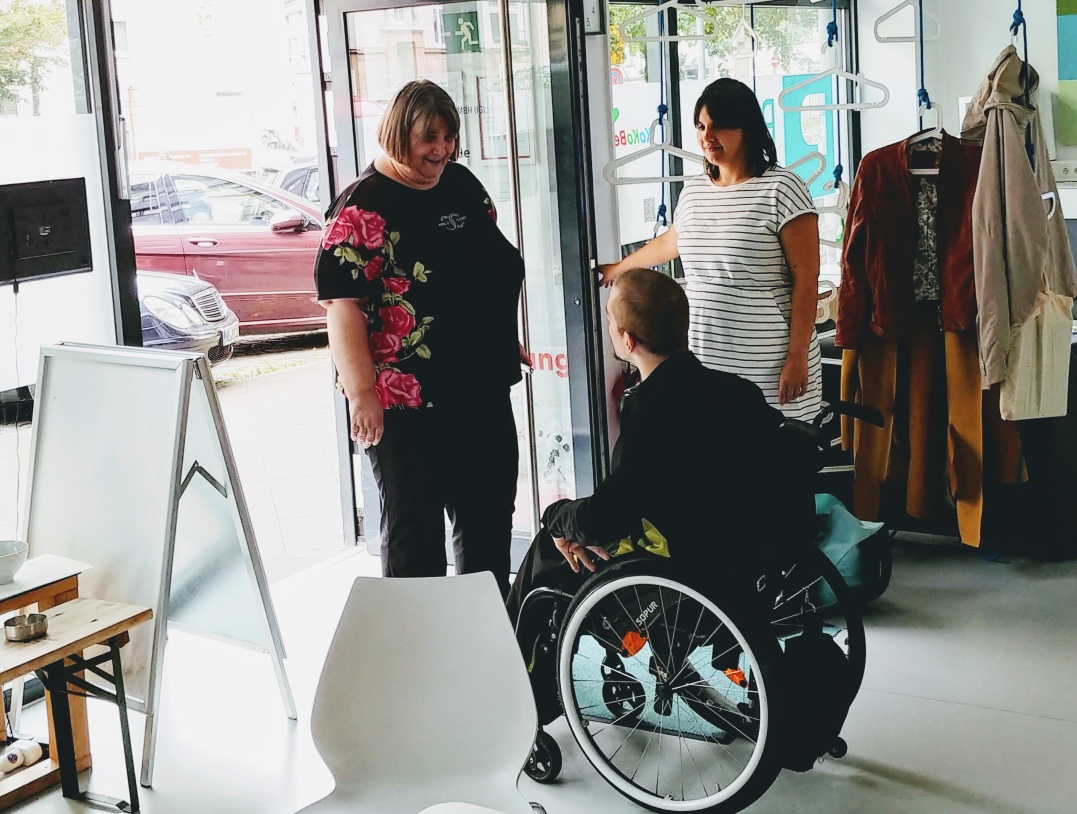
(185, 314)
(301, 177)
(255, 243)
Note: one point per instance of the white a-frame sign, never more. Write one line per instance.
(131, 471)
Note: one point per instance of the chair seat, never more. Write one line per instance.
(459, 808)
(344, 803)
(455, 722)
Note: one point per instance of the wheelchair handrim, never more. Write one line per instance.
(583, 736)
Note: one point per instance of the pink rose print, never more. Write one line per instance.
(396, 320)
(397, 285)
(384, 347)
(367, 228)
(394, 387)
(335, 233)
(493, 214)
(373, 268)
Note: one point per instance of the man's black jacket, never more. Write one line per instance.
(696, 459)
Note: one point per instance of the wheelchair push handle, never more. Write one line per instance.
(862, 412)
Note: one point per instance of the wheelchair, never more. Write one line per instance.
(690, 694)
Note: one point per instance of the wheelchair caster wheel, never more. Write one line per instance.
(839, 750)
(544, 762)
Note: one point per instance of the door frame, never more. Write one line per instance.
(587, 399)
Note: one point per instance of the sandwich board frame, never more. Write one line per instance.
(131, 470)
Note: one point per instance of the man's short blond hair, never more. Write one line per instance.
(653, 309)
(418, 102)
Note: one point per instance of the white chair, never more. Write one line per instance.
(424, 700)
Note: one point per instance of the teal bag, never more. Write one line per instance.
(857, 548)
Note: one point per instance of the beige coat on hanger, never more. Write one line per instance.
(1019, 252)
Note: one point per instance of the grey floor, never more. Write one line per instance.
(968, 706)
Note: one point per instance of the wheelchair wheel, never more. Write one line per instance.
(698, 739)
(544, 763)
(811, 594)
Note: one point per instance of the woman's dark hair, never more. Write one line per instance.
(732, 105)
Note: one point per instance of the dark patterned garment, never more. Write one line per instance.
(926, 263)
(438, 282)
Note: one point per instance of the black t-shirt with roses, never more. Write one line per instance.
(438, 282)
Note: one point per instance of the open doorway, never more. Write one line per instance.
(219, 130)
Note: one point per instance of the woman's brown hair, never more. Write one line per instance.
(420, 101)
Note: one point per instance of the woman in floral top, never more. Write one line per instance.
(421, 290)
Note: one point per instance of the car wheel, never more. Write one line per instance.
(221, 354)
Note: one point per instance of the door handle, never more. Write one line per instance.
(202, 241)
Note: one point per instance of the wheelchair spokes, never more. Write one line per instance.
(665, 695)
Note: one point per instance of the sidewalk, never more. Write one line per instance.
(281, 428)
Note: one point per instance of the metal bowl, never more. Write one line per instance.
(24, 628)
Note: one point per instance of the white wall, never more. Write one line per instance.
(973, 33)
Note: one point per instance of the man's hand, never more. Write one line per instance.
(574, 553)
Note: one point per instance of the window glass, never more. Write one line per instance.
(145, 206)
(204, 199)
(42, 62)
(786, 50)
(312, 191)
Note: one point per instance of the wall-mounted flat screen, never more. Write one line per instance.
(44, 230)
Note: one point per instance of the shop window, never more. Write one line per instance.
(42, 62)
(786, 50)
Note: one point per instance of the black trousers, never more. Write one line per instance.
(462, 459)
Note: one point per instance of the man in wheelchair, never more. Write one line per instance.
(692, 475)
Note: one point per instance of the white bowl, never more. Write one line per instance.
(12, 557)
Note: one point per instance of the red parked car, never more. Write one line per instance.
(255, 243)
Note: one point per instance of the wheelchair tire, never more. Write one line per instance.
(757, 739)
(812, 566)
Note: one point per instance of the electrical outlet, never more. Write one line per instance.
(1065, 171)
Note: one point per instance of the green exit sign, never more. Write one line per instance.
(461, 32)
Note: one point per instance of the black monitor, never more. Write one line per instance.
(44, 230)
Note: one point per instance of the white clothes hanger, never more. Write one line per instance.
(926, 135)
(842, 205)
(1051, 198)
(692, 10)
(743, 27)
(913, 4)
(856, 79)
(609, 172)
(815, 156)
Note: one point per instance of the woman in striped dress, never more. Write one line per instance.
(747, 234)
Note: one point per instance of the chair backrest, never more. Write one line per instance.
(424, 684)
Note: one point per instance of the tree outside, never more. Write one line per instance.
(780, 30)
(33, 39)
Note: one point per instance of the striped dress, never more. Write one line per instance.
(738, 282)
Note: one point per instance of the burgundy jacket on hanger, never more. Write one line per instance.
(881, 230)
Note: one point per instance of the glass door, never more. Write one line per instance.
(507, 139)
